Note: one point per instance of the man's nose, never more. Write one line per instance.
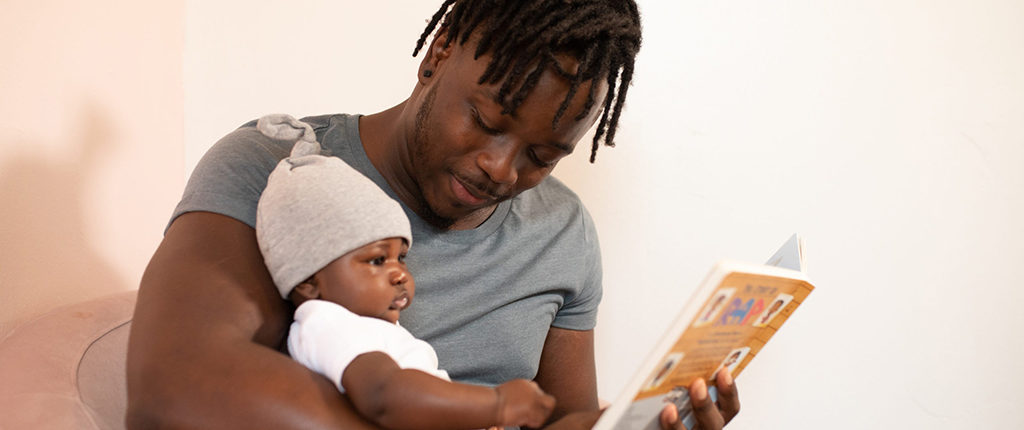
(499, 160)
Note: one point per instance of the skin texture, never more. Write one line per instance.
(204, 347)
(373, 281)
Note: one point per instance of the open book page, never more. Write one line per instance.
(733, 314)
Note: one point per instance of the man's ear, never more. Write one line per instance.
(435, 56)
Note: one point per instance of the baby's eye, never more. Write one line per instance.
(401, 258)
(379, 261)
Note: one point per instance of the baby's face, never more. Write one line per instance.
(371, 280)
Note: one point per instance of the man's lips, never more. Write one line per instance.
(468, 195)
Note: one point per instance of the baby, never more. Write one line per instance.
(335, 245)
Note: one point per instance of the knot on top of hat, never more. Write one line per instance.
(281, 126)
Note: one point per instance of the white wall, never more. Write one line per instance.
(888, 133)
(90, 147)
(245, 59)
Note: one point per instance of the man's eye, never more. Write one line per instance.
(540, 162)
(480, 123)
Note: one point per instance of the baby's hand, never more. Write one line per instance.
(523, 403)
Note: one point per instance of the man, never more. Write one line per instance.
(504, 91)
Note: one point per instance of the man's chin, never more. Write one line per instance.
(446, 214)
(435, 219)
(446, 221)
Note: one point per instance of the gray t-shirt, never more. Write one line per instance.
(485, 298)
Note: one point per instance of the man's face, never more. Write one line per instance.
(371, 281)
(466, 156)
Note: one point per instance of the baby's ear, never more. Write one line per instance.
(307, 290)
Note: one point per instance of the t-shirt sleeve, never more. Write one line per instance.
(579, 312)
(231, 176)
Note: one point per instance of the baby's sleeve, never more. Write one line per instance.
(326, 337)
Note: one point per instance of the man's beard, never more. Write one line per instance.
(420, 146)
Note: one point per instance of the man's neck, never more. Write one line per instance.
(384, 137)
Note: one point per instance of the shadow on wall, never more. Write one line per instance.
(46, 259)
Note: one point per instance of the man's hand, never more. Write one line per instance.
(523, 403)
(710, 416)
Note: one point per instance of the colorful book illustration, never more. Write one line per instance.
(726, 322)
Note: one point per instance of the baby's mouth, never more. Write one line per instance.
(400, 302)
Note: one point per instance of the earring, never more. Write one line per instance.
(428, 73)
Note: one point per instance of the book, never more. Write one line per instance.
(732, 315)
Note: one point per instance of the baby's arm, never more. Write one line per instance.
(399, 398)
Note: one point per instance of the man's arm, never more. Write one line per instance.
(567, 371)
(202, 349)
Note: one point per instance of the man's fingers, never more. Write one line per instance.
(728, 395)
(709, 415)
(669, 418)
(706, 412)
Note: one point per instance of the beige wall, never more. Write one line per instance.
(90, 146)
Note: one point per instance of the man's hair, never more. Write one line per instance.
(523, 37)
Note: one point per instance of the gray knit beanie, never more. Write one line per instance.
(317, 208)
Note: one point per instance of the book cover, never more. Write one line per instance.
(735, 312)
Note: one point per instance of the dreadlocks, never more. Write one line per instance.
(524, 36)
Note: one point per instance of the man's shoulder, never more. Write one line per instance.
(556, 185)
(550, 194)
(316, 121)
(233, 173)
(248, 143)
(320, 123)
(325, 121)
(556, 204)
